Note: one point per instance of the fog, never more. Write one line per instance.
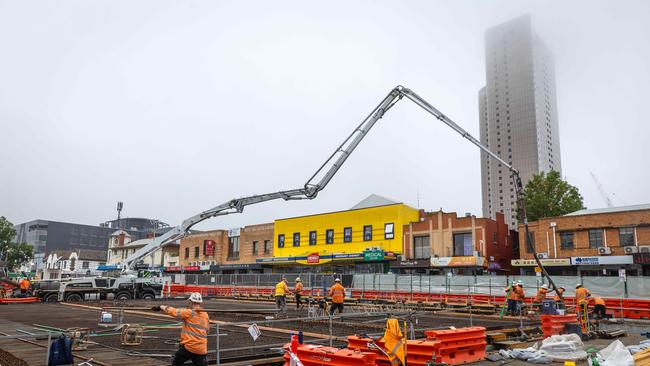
(174, 107)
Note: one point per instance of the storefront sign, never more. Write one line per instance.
(600, 260)
(641, 258)
(413, 263)
(192, 268)
(373, 255)
(208, 247)
(467, 261)
(234, 232)
(215, 268)
(546, 262)
(313, 258)
(621, 273)
(172, 269)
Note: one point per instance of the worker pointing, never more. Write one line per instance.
(194, 332)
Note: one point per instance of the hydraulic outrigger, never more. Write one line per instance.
(319, 180)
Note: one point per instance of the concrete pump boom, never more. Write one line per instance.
(319, 180)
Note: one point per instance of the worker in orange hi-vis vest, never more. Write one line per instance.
(194, 332)
(337, 293)
(298, 292)
(600, 309)
(24, 286)
(582, 299)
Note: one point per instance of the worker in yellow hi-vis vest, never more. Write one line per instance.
(281, 291)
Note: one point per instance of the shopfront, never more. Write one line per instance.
(461, 265)
(554, 266)
(372, 260)
(606, 265)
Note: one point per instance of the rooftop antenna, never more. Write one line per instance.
(418, 195)
(120, 205)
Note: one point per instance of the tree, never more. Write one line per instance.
(548, 195)
(13, 254)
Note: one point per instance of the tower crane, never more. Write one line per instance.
(602, 191)
(319, 180)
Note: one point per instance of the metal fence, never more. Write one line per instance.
(611, 287)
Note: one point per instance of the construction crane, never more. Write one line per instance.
(601, 190)
(324, 174)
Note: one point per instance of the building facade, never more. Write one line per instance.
(363, 239)
(442, 242)
(517, 113)
(590, 242)
(65, 264)
(226, 251)
(120, 247)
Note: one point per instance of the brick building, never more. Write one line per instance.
(590, 242)
(443, 242)
(226, 251)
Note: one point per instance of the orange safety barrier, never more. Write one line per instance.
(459, 346)
(554, 324)
(418, 352)
(316, 355)
(19, 300)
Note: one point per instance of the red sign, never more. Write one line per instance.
(313, 258)
(173, 269)
(208, 247)
(192, 268)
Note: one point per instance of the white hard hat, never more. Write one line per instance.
(337, 280)
(298, 279)
(545, 286)
(196, 297)
(578, 285)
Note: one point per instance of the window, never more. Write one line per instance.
(421, 247)
(267, 246)
(296, 239)
(463, 244)
(256, 245)
(347, 235)
(389, 231)
(495, 238)
(626, 236)
(85, 265)
(233, 247)
(196, 252)
(281, 241)
(595, 238)
(566, 240)
(187, 253)
(329, 236)
(312, 238)
(367, 233)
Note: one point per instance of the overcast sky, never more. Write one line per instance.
(176, 106)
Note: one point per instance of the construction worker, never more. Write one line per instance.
(281, 291)
(558, 292)
(541, 296)
(194, 332)
(298, 292)
(582, 299)
(514, 299)
(600, 309)
(24, 286)
(519, 297)
(337, 293)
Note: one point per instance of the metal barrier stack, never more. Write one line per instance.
(459, 346)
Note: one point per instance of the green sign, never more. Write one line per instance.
(373, 255)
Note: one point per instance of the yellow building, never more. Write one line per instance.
(368, 233)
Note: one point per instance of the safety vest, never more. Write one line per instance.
(599, 301)
(299, 288)
(541, 295)
(581, 295)
(557, 297)
(24, 284)
(194, 332)
(281, 289)
(337, 292)
(394, 342)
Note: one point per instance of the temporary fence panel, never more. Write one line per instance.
(638, 287)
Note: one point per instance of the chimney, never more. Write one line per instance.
(120, 240)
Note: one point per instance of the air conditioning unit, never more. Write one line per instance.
(631, 250)
(542, 255)
(604, 250)
(644, 249)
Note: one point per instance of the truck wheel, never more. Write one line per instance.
(52, 298)
(148, 296)
(73, 298)
(123, 296)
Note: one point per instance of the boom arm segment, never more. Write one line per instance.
(327, 171)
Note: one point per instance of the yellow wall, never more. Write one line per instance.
(399, 214)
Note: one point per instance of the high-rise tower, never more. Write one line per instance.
(517, 113)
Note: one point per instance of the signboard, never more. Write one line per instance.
(254, 331)
(373, 255)
(234, 232)
(600, 260)
(313, 258)
(208, 247)
(412, 263)
(172, 269)
(467, 261)
(546, 262)
(621, 273)
(641, 258)
(192, 268)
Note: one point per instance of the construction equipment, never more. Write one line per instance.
(319, 180)
(131, 335)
